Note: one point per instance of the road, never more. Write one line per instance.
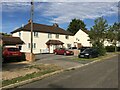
(103, 74)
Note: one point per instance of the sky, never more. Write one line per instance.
(16, 14)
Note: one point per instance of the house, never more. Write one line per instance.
(81, 39)
(10, 41)
(45, 38)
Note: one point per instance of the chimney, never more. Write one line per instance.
(55, 25)
(29, 21)
(22, 25)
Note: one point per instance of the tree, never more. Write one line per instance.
(113, 34)
(75, 25)
(97, 34)
(5, 34)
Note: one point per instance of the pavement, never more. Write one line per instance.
(11, 70)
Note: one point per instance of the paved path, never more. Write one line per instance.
(103, 74)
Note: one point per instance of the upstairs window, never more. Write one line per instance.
(66, 36)
(19, 34)
(57, 35)
(49, 35)
(36, 34)
(68, 45)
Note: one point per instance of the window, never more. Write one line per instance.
(49, 35)
(67, 37)
(36, 34)
(29, 45)
(34, 46)
(68, 45)
(57, 35)
(19, 33)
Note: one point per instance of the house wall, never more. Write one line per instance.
(106, 43)
(82, 37)
(41, 41)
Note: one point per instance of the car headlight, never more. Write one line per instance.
(86, 54)
(67, 51)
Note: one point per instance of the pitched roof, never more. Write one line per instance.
(86, 31)
(54, 42)
(43, 28)
(9, 40)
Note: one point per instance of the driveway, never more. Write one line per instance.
(60, 60)
(14, 69)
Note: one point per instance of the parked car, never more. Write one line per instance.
(63, 51)
(11, 52)
(72, 47)
(89, 53)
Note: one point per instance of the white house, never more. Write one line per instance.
(45, 38)
(81, 38)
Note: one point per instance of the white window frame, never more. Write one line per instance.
(67, 36)
(34, 45)
(57, 36)
(19, 34)
(29, 45)
(49, 35)
(35, 34)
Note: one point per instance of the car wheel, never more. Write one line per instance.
(90, 56)
(65, 54)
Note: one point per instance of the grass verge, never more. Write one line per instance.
(97, 58)
(42, 71)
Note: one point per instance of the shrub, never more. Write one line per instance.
(100, 47)
(110, 48)
(0, 52)
(118, 49)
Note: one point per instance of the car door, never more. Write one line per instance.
(62, 51)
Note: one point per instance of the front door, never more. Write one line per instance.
(51, 48)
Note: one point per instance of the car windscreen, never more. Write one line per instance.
(13, 49)
(87, 51)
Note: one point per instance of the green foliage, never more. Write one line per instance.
(100, 47)
(113, 34)
(97, 34)
(110, 48)
(75, 25)
(5, 34)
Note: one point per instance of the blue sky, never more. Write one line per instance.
(16, 14)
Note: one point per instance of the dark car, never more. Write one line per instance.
(63, 51)
(89, 53)
(11, 52)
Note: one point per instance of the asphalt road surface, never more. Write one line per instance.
(103, 74)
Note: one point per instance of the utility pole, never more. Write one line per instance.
(31, 16)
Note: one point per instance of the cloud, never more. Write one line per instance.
(67, 11)
(60, 0)
(15, 6)
(63, 12)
